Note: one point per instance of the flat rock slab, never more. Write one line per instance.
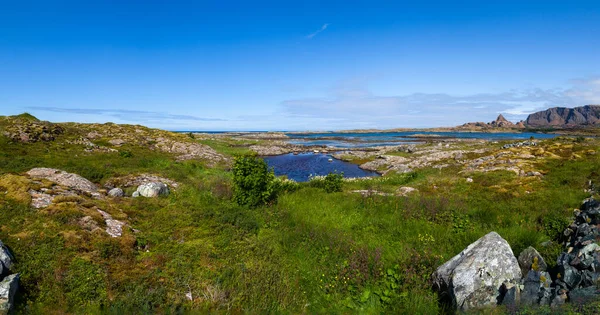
(63, 178)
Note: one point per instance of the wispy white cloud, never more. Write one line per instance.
(356, 103)
(323, 28)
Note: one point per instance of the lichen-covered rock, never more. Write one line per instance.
(473, 278)
(8, 289)
(116, 192)
(63, 178)
(153, 190)
(530, 259)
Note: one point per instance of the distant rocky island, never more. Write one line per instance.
(562, 117)
(554, 118)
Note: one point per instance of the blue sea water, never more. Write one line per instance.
(300, 167)
(353, 140)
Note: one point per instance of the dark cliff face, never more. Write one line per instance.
(565, 117)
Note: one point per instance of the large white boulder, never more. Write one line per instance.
(473, 278)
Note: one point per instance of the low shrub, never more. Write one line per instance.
(254, 183)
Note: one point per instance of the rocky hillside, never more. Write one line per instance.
(565, 117)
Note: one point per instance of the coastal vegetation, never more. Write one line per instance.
(233, 238)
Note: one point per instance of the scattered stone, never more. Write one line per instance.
(404, 191)
(135, 194)
(473, 278)
(116, 192)
(116, 142)
(151, 190)
(519, 144)
(88, 223)
(134, 181)
(8, 289)
(370, 192)
(114, 227)
(469, 180)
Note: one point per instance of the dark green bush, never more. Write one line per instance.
(333, 182)
(254, 183)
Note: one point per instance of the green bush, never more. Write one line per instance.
(333, 182)
(254, 183)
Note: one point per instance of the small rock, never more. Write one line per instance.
(469, 180)
(116, 192)
(116, 142)
(135, 194)
(403, 191)
(8, 289)
(530, 259)
(153, 190)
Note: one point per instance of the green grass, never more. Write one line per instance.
(311, 252)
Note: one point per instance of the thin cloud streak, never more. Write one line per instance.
(322, 29)
(128, 115)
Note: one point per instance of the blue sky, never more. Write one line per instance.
(296, 65)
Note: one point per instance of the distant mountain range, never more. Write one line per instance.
(563, 117)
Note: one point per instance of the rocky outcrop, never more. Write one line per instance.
(473, 278)
(565, 117)
(151, 190)
(9, 283)
(26, 128)
(63, 178)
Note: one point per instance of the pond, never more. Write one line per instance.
(301, 166)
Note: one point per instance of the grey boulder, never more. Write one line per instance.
(473, 278)
(8, 289)
(116, 192)
(153, 189)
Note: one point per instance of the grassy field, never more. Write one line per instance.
(308, 252)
